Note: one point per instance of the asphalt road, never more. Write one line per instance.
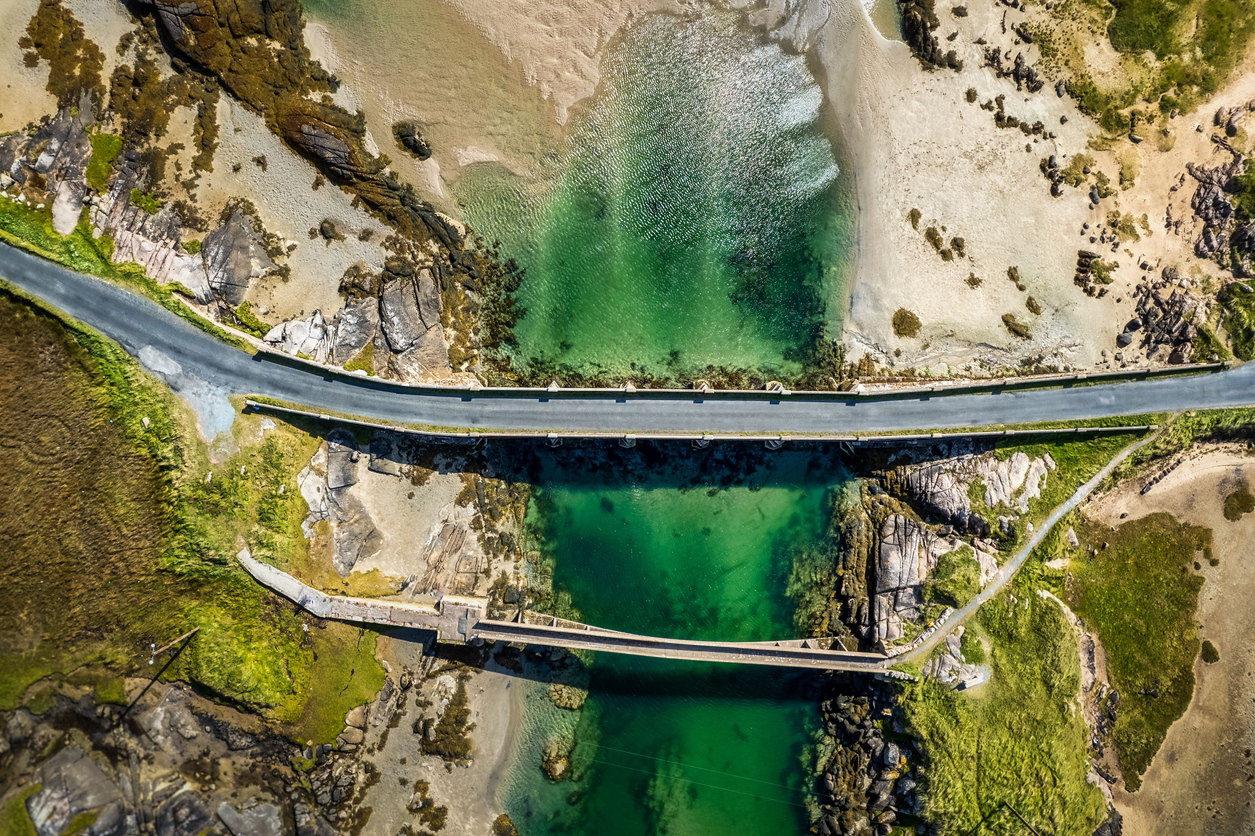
(136, 324)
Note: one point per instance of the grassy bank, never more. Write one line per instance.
(122, 534)
(1018, 738)
(1139, 593)
(1077, 460)
(31, 229)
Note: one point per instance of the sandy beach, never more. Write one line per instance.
(1198, 782)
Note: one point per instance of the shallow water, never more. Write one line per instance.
(665, 747)
(695, 214)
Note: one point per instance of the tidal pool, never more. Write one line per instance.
(688, 547)
(695, 215)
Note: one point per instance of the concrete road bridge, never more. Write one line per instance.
(164, 341)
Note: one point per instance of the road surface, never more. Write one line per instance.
(148, 331)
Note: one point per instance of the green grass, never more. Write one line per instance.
(1016, 739)
(192, 246)
(1239, 320)
(178, 569)
(956, 579)
(1239, 503)
(248, 320)
(31, 229)
(105, 148)
(1140, 594)
(14, 820)
(145, 201)
(364, 361)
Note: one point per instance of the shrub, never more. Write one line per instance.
(105, 148)
(914, 216)
(192, 247)
(145, 201)
(1211, 655)
(1017, 328)
(1239, 503)
(905, 323)
(1033, 305)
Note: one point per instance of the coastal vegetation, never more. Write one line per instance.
(1239, 503)
(31, 229)
(1172, 55)
(1139, 593)
(905, 323)
(1018, 739)
(1210, 654)
(136, 529)
(105, 148)
(956, 580)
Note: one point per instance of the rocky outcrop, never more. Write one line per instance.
(907, 553)
(866, 781)
(311, 338)
(73, 785)
(53, 160)
(919, 20)
(410, 137)
(354, 327)
(1224, 237)
(940, 488)
(258, 820)
(353, 532)
(1163, 327)
(234, 255)
(949, 667)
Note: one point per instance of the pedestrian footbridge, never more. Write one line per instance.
(462, 619)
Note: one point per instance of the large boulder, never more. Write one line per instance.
(399, 314)
(72, 784)
(427, 358)
(234, 255)
(262, 820)
(356, 325)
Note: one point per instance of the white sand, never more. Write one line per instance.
(289, 206)
(24, 98)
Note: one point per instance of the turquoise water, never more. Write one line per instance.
(695, 215)
(699, 550)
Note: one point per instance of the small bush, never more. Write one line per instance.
(959, 246)
(145, 201)
(1017, 328)
(973, 281)
(192, 247)
(934, 237)
(105, 148)
(1239, 503)
(905, 323)
(914, 217)
(1033, 305)
(1210, 653)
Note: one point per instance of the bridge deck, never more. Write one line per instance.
(788, 654)
(461, 619)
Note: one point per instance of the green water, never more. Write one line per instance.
(695, 215)
(690, 549)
